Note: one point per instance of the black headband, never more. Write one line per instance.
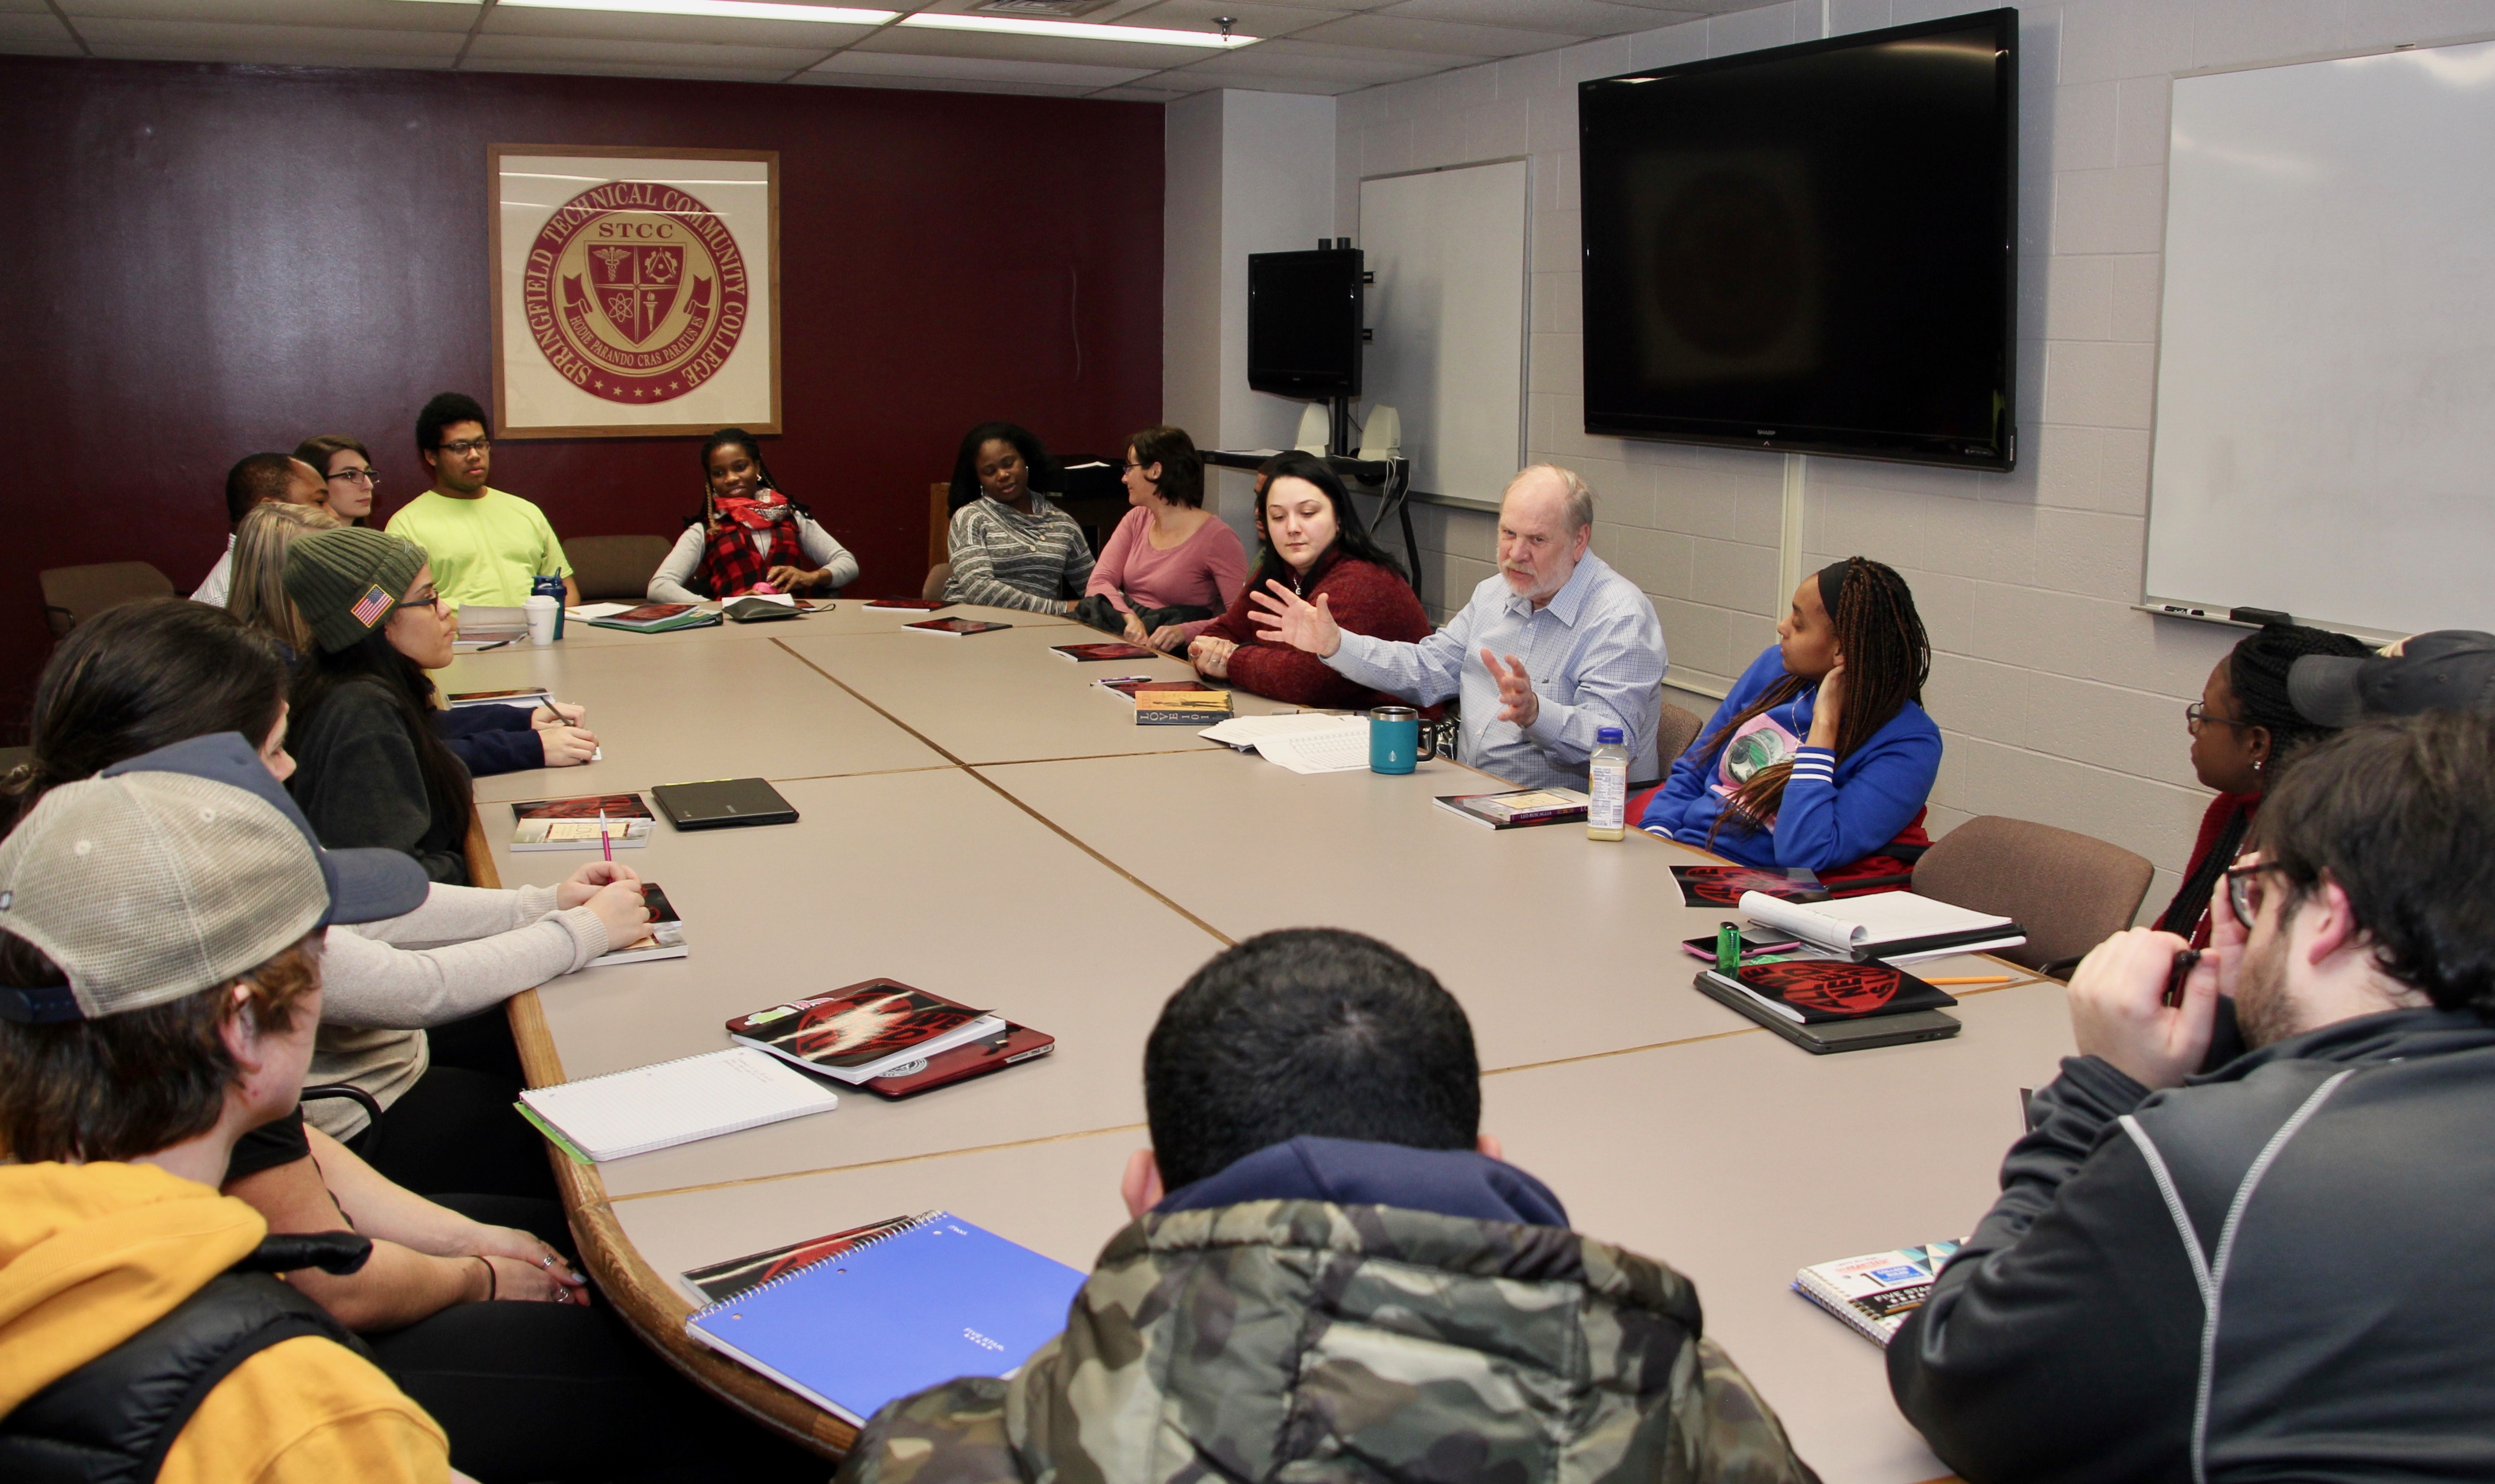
(1831, 585)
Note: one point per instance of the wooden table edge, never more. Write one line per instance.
(648, 1302)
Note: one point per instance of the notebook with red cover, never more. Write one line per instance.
(913, 604)
(1724, 886)
(1811, 991)
(1010, 1047)
(1116, 649)
(955, 628)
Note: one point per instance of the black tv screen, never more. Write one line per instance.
(1810, 248)
(1304, 314)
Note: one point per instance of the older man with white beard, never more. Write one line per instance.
(1555, 611)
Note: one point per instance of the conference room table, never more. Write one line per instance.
(980, 819)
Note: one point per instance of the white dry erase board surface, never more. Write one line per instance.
(2325, 378)
(1447, 319)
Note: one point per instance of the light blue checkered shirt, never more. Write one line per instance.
(1595, 653)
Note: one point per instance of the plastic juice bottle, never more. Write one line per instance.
(1607, 779)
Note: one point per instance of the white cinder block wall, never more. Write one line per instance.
(2060, 703)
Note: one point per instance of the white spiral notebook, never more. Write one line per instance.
(634, 1112)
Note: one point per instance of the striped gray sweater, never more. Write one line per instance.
(1005, 559)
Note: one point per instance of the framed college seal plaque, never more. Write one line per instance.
(635, 290)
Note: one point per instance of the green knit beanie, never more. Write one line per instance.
(346, 582)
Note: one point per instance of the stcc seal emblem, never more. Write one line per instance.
(635, 292)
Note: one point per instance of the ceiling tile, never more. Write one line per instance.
(38, 47)
(18, 27)
(1312, 62)
(695, 30)
(1255, 19)
(943, 85)
(30, 8)
(1438, 36)
(643, 54)
(1255, 82)
(886, 63)
(385, 15)
(1136, 95)
(203, 41)
(1029, 49)
(1578, 18)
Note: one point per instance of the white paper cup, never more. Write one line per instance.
(543, 612)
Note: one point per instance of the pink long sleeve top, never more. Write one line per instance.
(1207, 569)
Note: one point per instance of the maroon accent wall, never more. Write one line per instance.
(208, 261)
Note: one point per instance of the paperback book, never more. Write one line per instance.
(1897, 926)
(1873, 1294)
(1082, 654)
(663, 935)
(1812, 991)
(1170, 702)
(658, 618)
(616, 820)
(717, 1282)
(1724, 886)
(1516, 808)
(863, 1030)
(906, 605)
(1010, 1046)
(530, 697)
(956, 628)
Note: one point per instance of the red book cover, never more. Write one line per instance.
(1010, 1047)
(1115, 650)
(955, 628)
(913, 604)
(854, 1026)
(719, 1282)
(1724, 886)
(1813, 990)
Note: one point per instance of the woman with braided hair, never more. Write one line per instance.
(2244, 729)
(1821, 757)
(750, 534)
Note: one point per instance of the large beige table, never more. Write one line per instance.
(979, 820)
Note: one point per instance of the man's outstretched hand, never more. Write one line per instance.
(1518, 701)
(1284, 617)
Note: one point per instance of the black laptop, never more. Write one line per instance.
(722, 802)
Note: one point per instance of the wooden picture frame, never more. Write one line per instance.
(635, 290)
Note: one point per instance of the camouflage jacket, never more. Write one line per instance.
(1298, 1341)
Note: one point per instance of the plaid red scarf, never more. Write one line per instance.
(730, 566)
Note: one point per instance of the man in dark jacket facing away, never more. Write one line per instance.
(2282, 1268)
(1344, 1282)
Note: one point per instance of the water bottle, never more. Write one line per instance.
(552, 587)
(1607, 779)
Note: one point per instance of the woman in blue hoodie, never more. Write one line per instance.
(1822, 755)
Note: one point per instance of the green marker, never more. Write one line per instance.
(1728, 949)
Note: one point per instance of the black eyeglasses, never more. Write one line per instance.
(357, 475)
(2197, 716)
(2244, 891)
(467, 446)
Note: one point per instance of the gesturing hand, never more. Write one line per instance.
(1518, 701)
(2118, 1011)
(1284, 617)
(584, 883)
(567, 747)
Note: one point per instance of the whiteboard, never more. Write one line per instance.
(2325, 375)
(1447, 316)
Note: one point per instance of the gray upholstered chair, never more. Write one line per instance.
(73, 595)
(2071, 891)
(615, 566)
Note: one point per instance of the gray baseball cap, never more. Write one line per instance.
(2448, 670)
(174, 873)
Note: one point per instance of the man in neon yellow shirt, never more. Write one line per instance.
(486, 546)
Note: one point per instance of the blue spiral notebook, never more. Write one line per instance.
(936, 1299)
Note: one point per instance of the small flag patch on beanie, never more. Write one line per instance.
(369, 609)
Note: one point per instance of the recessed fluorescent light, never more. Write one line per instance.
(732, 10)
(1071, 30)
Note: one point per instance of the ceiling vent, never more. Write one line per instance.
(1050, 9)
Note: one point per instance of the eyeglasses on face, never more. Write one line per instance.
(430, 598)
(2244, 893)
(364, 476)
(2197, 716)
(467, 446)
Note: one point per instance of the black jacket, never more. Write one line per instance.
(357, 781)
(2283, 1270)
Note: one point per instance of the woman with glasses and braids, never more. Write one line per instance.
(2244, 730)
(750, 537)
(1822, 755)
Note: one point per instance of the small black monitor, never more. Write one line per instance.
(1303, 323)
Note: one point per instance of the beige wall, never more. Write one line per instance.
(2058, 701)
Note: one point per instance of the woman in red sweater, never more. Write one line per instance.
(1311, 544)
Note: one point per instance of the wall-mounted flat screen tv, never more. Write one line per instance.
(1810, 248)
(1303, 323)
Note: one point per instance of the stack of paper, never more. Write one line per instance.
(1897, 926)
(1303, 741)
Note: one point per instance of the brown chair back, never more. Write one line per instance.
(939, 522)
(2071, 891)
(933, 589)
(615, 566)
(1679, 729)
(73, 595)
